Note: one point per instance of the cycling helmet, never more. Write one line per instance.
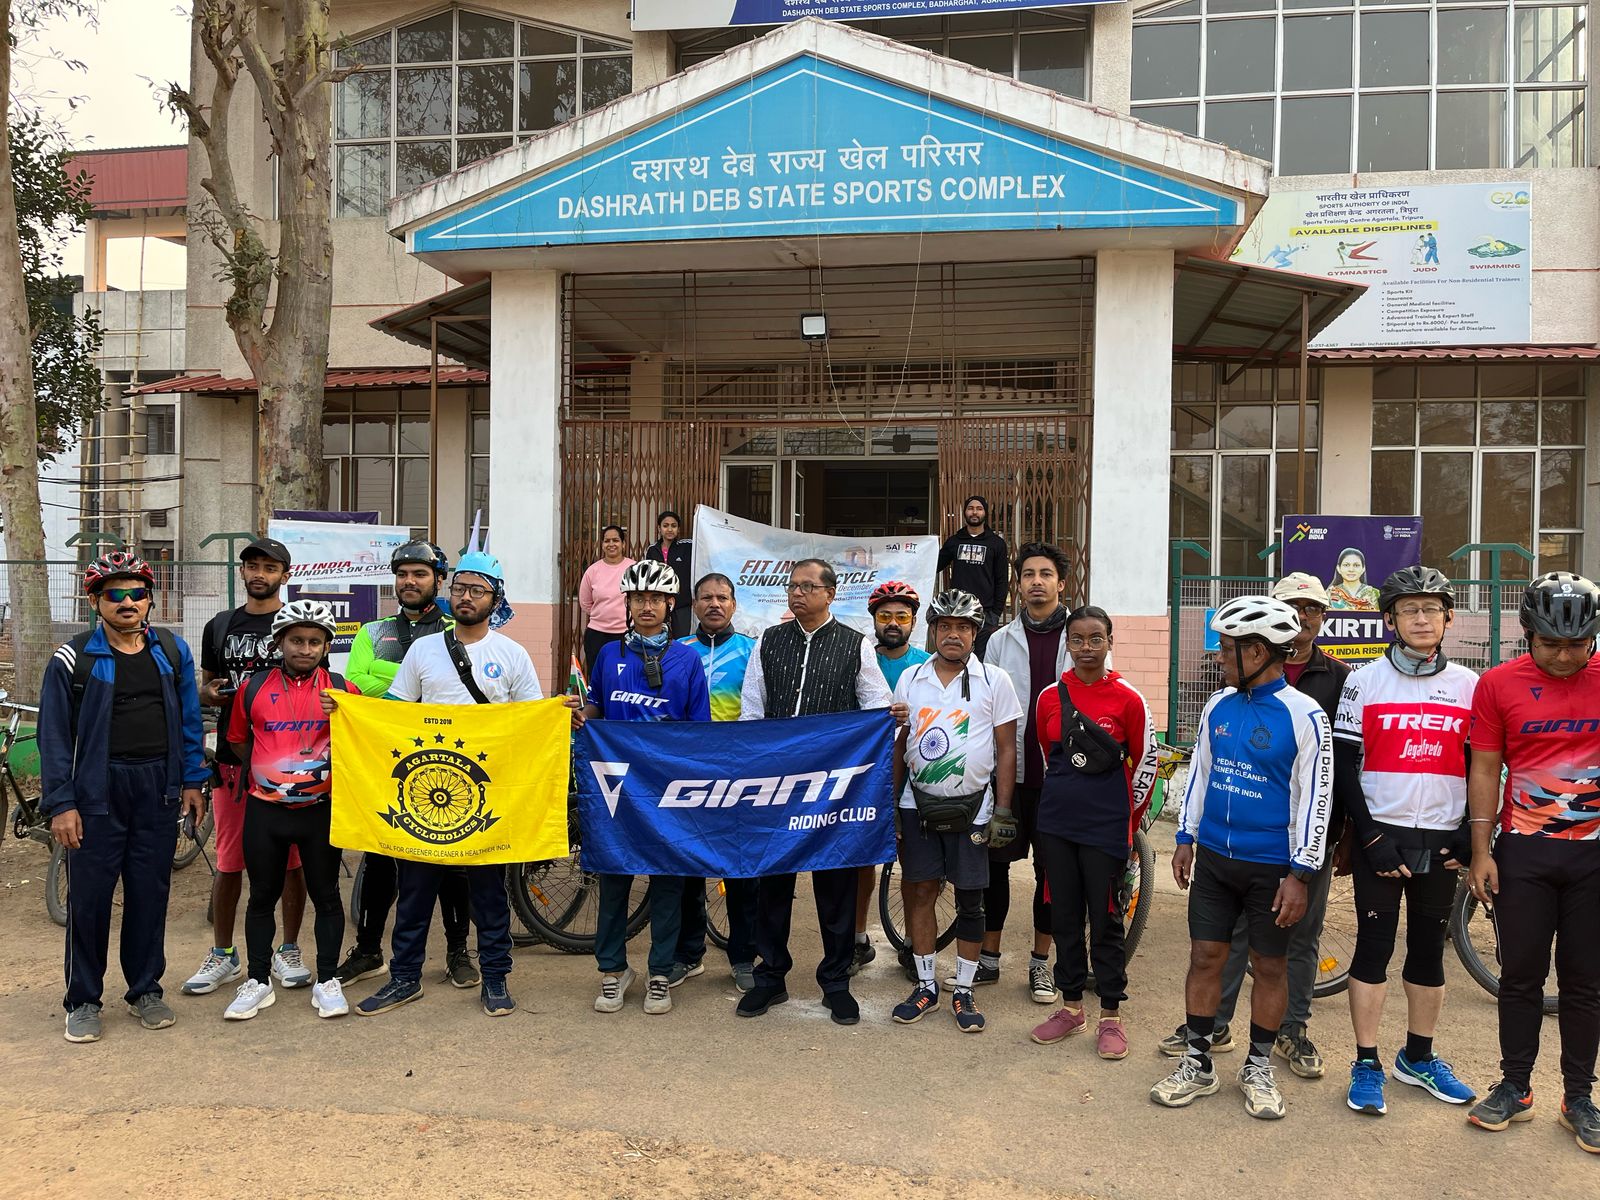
(304, 612)
(1415, 581)
(893, 589)
(1273, 621)
(425, 553)
(119, 564)
(481, 562)
(648, 575)
(1297, 585)
(1561, 605)
(955, 604)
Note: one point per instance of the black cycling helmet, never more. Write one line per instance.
(1561, 605)
(1415, 581)
(425, 553)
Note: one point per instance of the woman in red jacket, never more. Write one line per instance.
(1099, 770)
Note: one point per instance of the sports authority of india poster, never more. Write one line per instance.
(758, 559)
(1448, 265)
(1352, 556)
(451, 784)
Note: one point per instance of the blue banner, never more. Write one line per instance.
(739, 799)
(715, 14)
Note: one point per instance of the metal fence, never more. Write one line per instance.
(1484, 634)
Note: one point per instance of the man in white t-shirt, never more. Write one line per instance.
(961, 739)
(471, 664)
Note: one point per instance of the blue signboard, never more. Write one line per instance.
(812, 147)
(718, 14)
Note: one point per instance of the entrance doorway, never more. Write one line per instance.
(841, 499)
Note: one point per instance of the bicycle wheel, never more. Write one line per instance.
(560, 902)
(1139, 889)
(891, 913)
(717, 913)
(55, 886)
(1473, 929)
(1337, 945)
(188, 849)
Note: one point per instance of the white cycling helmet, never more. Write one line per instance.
(649, 576)
(305, 612)
(958, 604)
(1258, 616)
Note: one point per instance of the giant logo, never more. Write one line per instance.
(759, 791)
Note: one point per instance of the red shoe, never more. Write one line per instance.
(1110, 1039)
(1063, 1023)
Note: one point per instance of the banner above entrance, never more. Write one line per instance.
(811, 147)
(719, 14)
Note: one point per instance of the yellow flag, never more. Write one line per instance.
(462, 784)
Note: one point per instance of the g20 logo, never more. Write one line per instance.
(1510, 198)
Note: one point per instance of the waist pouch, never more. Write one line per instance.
(946, 814)
(1089, 748)
(1416, 839)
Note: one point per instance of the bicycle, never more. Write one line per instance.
(29, 822)
(1476, 935)
(559, 901)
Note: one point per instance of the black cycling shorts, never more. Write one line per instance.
(1223, 889)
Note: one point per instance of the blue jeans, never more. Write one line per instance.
(413, 913)
(666, 922)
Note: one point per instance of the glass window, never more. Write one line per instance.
(1447, 381)
(985, 53)
(537, 40)
(1316, 135)
(1394, 49)
(1194, 427)
(1472, 45)
(363, 181)
(1184, 118)
(1451, 423)
(483, 98)
(1393, 482)
(1393, 134)
(1166, 61)
(1239, 57)
(1471, 130)
(377, 456)
(1563, 423)
(479, 36)
(1549, 129)
(1394, 383)
(1560, 488)
(1243, 124)
(1508, 423)
(1550, 45)
(362, 107)
(422, 101)
(427, 40)
(1316, 52)
(1506, 499)
(470, 150)
(1446, 496)
(1054, 60)
(604, 79)
(1394, 424)
(549, 94)
(1246, 521)
(418, 162)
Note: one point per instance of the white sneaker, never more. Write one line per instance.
(250, 999)
(614, 991)
(657, 995)
(216, 970)
(288, 968)
(1262, 1099)
(328, 999)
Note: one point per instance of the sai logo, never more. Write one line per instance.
(439, 793)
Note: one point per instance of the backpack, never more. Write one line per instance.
(83, 666)
(247, 698)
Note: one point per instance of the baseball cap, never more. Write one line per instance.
(265, 547)
(1297, 585)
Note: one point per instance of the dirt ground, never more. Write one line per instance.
(437, 1100)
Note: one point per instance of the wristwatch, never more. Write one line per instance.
(1303, 875)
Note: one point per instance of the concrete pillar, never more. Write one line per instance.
(1111, 56)
(525, 440)
(1346, 441)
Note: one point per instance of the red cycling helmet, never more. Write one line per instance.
(119, 564)
(894, 590)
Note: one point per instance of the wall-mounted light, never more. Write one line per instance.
(814, 327)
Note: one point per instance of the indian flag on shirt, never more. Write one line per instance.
(939, 743)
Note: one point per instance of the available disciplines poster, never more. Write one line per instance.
(1352, 556)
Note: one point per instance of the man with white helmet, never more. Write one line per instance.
(1257, 805)
(279, 731)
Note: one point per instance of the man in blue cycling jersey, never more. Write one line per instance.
(1257, 805)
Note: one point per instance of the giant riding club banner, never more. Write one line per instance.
(739, 799)
(758, 559)
(720, 14)
(1352, 556)
(458, 785)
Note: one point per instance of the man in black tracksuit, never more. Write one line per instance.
(978, 562)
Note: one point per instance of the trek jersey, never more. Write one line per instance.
(893, 668)
(1548, 730)
(1412, 734)
(621, 690)
(1261, 781)
(725, 660)
(291, 760)
(1098, 810)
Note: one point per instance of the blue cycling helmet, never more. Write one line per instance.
(480, 562)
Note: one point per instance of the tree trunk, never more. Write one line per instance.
(29, 588)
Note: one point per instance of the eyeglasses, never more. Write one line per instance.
(1432, 611)
(119, 595)
(805, 589)
(1094, 642)
(476, 591)
(894, 618)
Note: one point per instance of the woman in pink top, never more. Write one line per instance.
(600, 596)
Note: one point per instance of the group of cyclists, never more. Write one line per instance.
(1402, 772)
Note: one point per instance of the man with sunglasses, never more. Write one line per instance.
(120, 749)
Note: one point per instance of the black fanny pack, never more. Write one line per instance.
(946, 814)
(1090, 749)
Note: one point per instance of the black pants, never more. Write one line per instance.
(269, 830)
(835, 893)
(379, 877)
(1549, 891)
(1428, 898)
(127, 837)
(739, 896)
(1085, 885)
(593, 639)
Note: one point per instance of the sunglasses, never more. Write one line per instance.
(120, 595)
(894, 618)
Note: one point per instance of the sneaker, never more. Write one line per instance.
(657, 995)
(1042, 984)
(682, 971)
(1185, 1085)
(220, 967)
(864, 953)
(984, 975)
(391, 995)
(757, 1000)
(83, 1023)
(1111, 1039)
(1366, 1088)
(497, 1001)
(1434, 1076)
(250, 999)
(359, 965)
(1262, 1099)
(1581, 1117)
(1299, 1051)
(461, 969)
(1176, 1044)
(1503, 1105)
(965, 1011)
(152, 1011)
(842, 1008)
(288, 968)
(744, 976)
(913, 1008)
(1061, 1024)
(614, 990)
(328, 998)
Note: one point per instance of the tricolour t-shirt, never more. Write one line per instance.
(500, 667)
(950, 737)
(1413, 737)
(1548, 731)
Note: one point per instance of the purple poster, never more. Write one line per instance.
(1352, 556)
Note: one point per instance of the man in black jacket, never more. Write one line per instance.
(979, 562)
